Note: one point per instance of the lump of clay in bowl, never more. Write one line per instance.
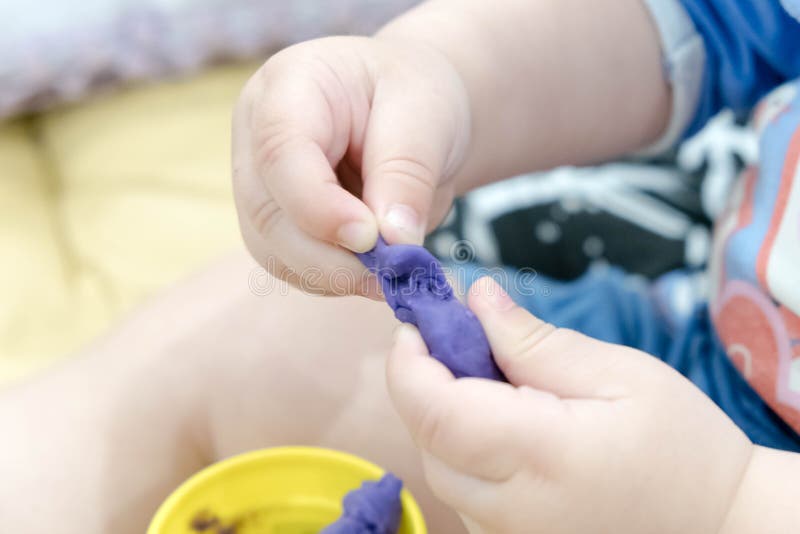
(374, 508)
(416, 288)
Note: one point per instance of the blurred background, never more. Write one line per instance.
(115, 180)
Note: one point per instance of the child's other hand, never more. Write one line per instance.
(338, 139)
(589, 436)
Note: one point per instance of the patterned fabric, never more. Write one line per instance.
(647, 217)
(58, 51)
(749, 48)
(755, 294)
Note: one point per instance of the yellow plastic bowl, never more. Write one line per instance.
(285, 490)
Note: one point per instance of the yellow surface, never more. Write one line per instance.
(285, 490)
(103, 203)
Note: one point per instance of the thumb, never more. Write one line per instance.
(564, 362)
(415, 141)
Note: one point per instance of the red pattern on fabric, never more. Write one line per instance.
(756, 337)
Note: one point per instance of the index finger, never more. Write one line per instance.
(298, 139)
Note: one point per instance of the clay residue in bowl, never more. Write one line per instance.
(209, 523)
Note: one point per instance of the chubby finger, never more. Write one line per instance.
(275, 241)
(297, 141)
(313, 266)
(535, 353)
(483, 428)
(415, 140)
(304, 184)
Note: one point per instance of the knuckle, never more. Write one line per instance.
(409, 170)
(529, 340)
(278, 269)
(433, 425)
(272, 139)
(266, 216)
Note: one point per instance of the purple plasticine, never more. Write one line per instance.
(416, 288)
(374, 508)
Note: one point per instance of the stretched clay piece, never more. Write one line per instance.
(416, 288)
(374, 508)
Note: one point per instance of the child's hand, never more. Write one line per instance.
(338, 138)
(590, 437)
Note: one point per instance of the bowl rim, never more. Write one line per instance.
(411, 510)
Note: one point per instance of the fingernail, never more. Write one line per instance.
(498, 298)
(357, 236)
(405, 220)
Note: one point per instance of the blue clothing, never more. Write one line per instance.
(722, 54)
(751, 47)
(609, 305)
(728, 53)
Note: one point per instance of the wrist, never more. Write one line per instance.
(764, 501)
(732, 517)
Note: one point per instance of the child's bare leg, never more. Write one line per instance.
(208, 370)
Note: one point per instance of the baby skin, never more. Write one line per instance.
(341, 139)
(587, 437)
(336, 141)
